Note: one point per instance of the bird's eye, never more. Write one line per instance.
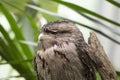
(55, 31)
(52, 31)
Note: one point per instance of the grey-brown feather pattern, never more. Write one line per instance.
(62, 54)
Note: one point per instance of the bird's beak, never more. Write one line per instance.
(45, 41)
(44, 37)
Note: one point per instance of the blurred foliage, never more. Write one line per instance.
(24, 18)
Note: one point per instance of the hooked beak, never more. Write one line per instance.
(44, 37)
(45, 41)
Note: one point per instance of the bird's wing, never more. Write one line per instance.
(37, 63)
(62, 63)
(84, 56)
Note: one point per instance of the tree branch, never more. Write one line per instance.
(100, 59)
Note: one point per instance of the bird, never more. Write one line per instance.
(62, 53)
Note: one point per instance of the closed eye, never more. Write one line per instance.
(56, 31)
(52, 31)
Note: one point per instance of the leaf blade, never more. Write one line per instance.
(81, 9)
(115, 3)
(86, 26)
(16, 30)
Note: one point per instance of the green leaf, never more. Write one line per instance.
(4, 46)
(10, 52)
(48, 5)
(114, 3)
(86, 26)
(28, 43)
(10, 43)
(51, 7)
(45, 11)
(15, 50)
(34, 26)
(17, 31)
(100, 23)
(98, 76)
(118, 73)
(81, 9)
(17, 61)
(17, 3)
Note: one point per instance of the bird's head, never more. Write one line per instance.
(58, 32)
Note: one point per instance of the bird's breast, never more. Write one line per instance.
(59, 63)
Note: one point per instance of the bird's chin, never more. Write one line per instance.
(43, 45)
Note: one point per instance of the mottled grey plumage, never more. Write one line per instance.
(62, 53)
